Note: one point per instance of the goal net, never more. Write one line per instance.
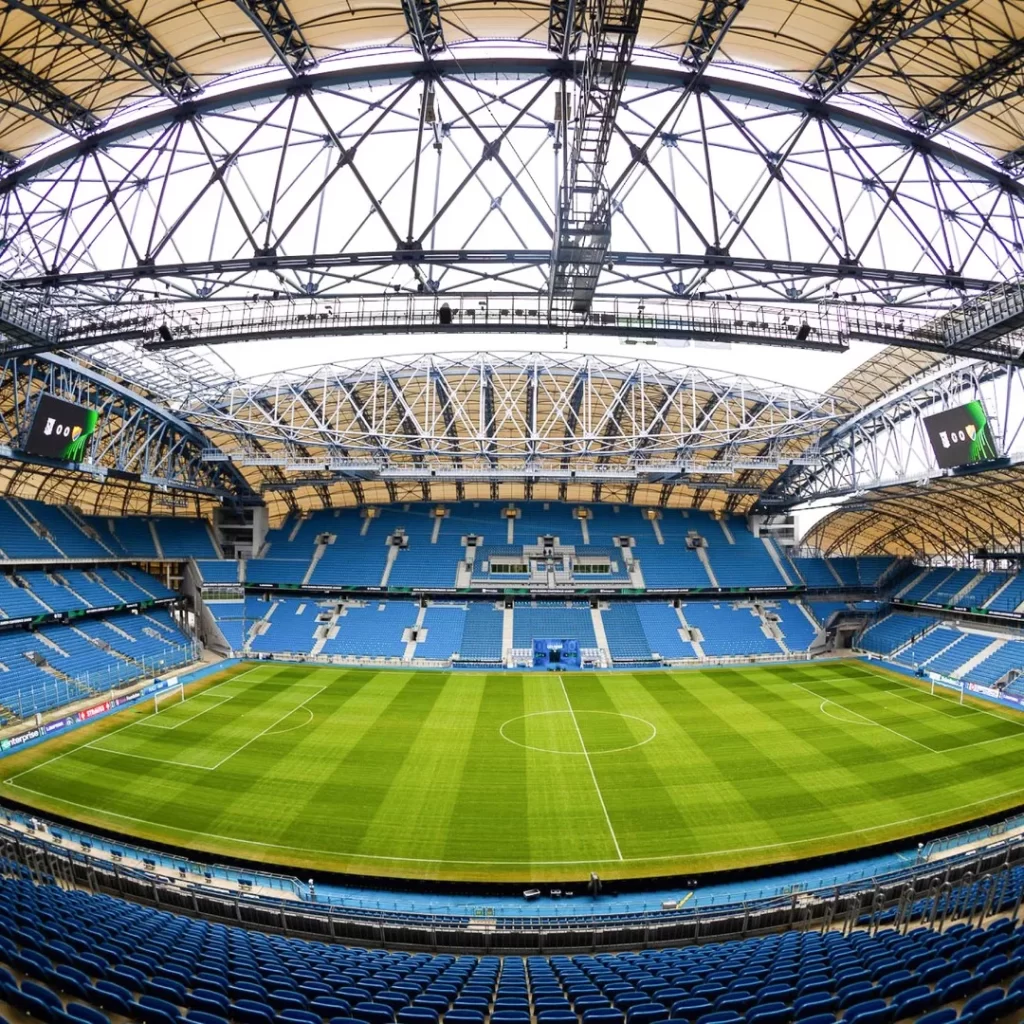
(168, 698)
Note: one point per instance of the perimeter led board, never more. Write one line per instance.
(61, 430)
(961, 436)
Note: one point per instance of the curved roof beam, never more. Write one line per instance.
(180, 425)
(24, 90)
(882, 26)
(935, 515)
(333, 78)
(108, 26)
(845, 459)
(998, 79)
(282, 32)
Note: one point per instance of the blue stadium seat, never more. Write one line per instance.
(603, 1016)
(646, 1013)
(296, 1016)
(202, 1017)
(871, 1011)
(943, 1016)
(690, 1009)
(770, 1013)
(424, 1015)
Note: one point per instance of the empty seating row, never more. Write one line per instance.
(73, 956)
(730, 632)
(49, 667)
(635, 631)
(893, 631)
(421, 545)
(32, 592)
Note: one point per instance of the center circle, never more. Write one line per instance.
(565, 737)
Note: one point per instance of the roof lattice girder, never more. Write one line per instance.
(730, 244)
(110, 27)
(885, 444)
(514, 417)
(22, 88)
(138, 441)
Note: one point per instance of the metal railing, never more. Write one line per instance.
(825, 326)
(969, 886)
(58, 692)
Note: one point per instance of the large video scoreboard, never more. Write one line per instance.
(61, 430)
(961, 436)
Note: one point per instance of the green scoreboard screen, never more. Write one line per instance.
(61, 430)
(961, 436)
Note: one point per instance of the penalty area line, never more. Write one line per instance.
(867, 721)
(263, 732)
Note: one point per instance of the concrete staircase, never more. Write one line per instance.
(506, 631)
(913, 640)
(600, 636)
(910, 584)
(34, 525)
(686, 635)
(410, 647)
(156, 539)
(832, 569)
(1009, 580)
(702, 557)
(970, 666)
(971, 583)
(773, 553)
(318, 553)
(83, 527)
(393, 550)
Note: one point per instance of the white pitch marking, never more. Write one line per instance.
(191, 718)
(593, 776)
(937, 696)
(577, 753)
(114, 732)
(292, 728)
(868, 721)
(845, 721)
(516, 863)
(919, 704)
(145, 757)
(263, 732)
(947, 700)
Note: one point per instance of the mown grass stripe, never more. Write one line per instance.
(408, 773)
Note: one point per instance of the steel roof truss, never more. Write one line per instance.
(282, 32)
(110, 27)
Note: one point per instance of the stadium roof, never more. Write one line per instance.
(937, 63)
(850, 156)
(953, 516)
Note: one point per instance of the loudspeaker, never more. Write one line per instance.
(444, 314)
(165, 332)
(803, 332)
(676, 603)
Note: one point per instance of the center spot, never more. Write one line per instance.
(555, 732)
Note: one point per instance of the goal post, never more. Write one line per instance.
(173, 695)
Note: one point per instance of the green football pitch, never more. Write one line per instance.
(534, 777)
